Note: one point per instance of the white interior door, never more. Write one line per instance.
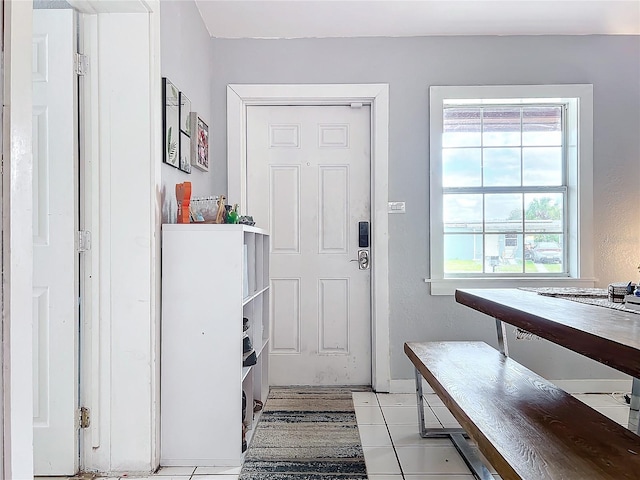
(55, 297)
(308, 183)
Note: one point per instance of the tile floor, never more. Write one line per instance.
(393, 450)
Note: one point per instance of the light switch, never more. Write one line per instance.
(396, 207)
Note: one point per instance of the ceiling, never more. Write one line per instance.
(402, 18)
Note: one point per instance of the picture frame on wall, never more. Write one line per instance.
(185, 152)
(170, 123)
(185, 114)
(199, 143)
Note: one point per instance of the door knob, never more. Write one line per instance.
(363, 259)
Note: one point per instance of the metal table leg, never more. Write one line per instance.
(457, 435)
(634, 410)
(502, 337)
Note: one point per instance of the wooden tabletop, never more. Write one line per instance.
(609, 336)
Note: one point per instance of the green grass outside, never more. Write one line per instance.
(474, 266)
(553, 267)
(459, 266)
(510, 268)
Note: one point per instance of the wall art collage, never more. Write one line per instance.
(185, 140)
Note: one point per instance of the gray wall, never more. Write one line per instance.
(185, 47)
(410, 66)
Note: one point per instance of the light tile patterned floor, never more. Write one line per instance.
(393, 450)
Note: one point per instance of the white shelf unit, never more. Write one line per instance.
(204, 298)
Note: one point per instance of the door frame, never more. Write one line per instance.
(17, 241)
(107, 446)
(375, 95)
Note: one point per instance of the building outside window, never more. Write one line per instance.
(511, 176)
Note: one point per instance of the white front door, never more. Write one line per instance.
(55, 268)
(308, 183)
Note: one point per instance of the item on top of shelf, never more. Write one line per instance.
(257, 405)
(183, 197)
(205, 207)
(222, 211)
(246, 220)
(232, 216)
(196, 216)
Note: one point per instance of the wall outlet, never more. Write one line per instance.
(396, 207)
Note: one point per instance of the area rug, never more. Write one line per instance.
(307, 433)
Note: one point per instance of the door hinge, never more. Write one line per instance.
(84, 241)
(80, 64)
(84, 417)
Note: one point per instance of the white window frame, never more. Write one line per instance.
(579, 209)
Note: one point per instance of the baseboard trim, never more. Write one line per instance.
(408, 386)
(587, 385)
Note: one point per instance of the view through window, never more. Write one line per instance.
(504, 188)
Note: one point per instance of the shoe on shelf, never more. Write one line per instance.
(244, 438)
(245, 324)
(244, 405)
(249, 358)
(248, 353)
(246, 343)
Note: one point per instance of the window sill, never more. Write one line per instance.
(448, 286)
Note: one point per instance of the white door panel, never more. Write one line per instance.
(308, 182)
(55, 298)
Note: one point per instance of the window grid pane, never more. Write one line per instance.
(493, 229)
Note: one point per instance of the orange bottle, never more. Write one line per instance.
(183, 196)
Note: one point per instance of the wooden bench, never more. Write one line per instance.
(526, 427)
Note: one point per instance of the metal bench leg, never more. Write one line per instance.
(457, 435)
(634, 411)
(469, 456)
(430, 432)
